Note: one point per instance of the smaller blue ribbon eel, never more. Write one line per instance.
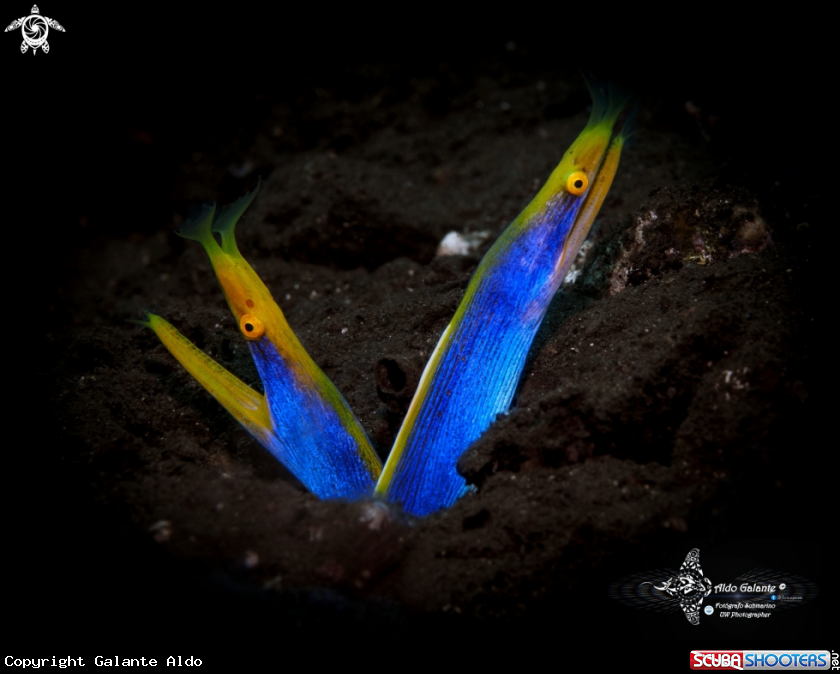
(302, 419)
(472, 375)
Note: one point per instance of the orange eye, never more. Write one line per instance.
(251, 327)
(577, 183)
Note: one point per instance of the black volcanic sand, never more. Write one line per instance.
(661, 404)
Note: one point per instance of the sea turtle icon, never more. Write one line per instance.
(35, 28)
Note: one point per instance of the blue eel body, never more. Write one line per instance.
(472, 375)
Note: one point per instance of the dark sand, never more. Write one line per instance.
(666, 404)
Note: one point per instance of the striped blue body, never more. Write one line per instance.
(482, 356)
(472, 375)
(312, 442)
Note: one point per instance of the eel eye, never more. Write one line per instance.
(577, 183)
(251, 327)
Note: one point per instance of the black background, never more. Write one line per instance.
(189, 73)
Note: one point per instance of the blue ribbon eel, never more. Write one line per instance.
(472, 375)
(302, 419)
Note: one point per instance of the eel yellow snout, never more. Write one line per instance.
(473, 373)
(301, 418)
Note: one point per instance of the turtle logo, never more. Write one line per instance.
(35, 28)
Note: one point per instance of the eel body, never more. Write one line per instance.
(473, 373)
(301, 418)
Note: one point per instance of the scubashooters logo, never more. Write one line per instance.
(760, 660)
(757, 594)
(35, 29)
